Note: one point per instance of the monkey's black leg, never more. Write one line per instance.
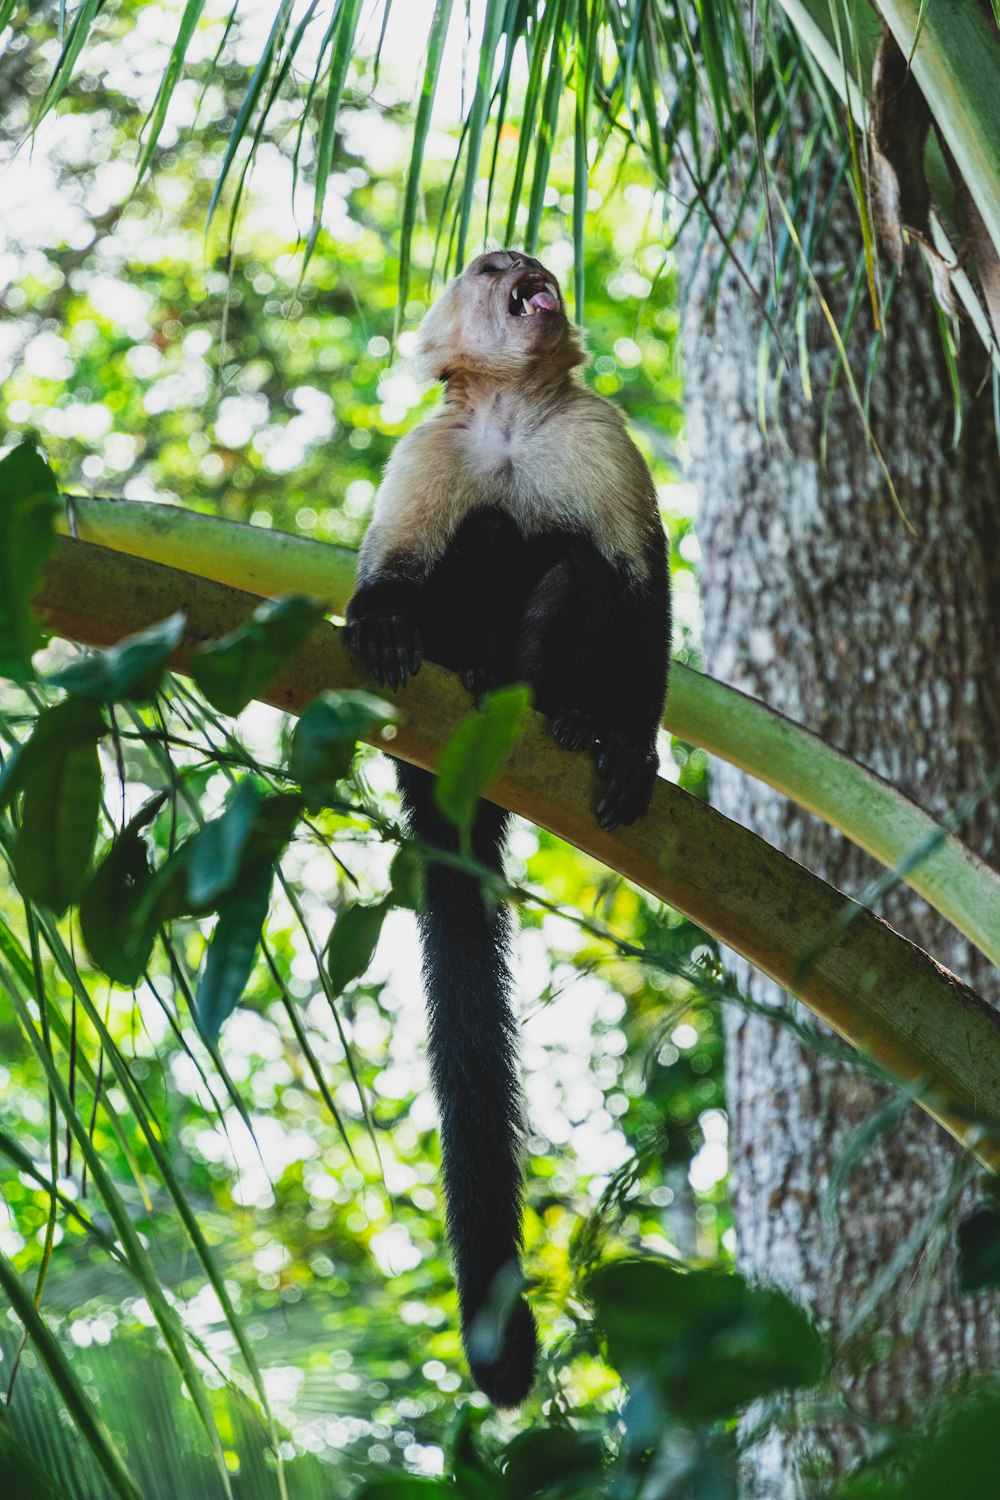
(594, 643)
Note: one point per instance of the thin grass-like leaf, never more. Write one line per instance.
(140, 1264)
(848, 373)
(343, 28)
(538, 45)
(57, 1022)
(514, 27)
(253, 93)
(7, 8)
(164, 94)
(585, 71)
(153, 1137)
(25, 1163)
(860, 178)
(493, 20)
(432, 71)
(302, 1037)
(72, 47)
(548, 125)
(951, 363)
(85, 1418)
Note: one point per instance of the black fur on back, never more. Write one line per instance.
(473, 1059)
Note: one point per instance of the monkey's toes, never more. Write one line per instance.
(572, 729)
(630, 772)
(389, 645)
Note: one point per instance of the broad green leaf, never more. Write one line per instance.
(407, 878)
(962, 1459)
(132, 669)
(244, 663)
(233, 948)
(406, 1487)
(477, 751)
(550, 1456)
(979, 1250)
(59, 776)
(114, 916)
(19, 1474)
(29, 501)
(352, 943)
(213, 856)
(707, 1340)
(326, 736)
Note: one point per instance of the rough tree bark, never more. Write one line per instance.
(818, 599)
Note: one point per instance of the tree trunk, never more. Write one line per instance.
(819, 600)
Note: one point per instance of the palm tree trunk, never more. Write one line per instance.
(818, 599)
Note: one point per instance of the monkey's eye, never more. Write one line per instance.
(491, 270)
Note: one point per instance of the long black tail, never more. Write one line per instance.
(474, 1069)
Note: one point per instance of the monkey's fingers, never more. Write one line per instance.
(572, 729)
(630, 771)
(389, 645)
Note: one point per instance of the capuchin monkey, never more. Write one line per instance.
(515, 538)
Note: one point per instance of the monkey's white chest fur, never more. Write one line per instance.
(571, 466)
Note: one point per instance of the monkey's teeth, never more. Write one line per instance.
(529, 311)
(551, 290)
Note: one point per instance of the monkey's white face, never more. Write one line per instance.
(503, 316)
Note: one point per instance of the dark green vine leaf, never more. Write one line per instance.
(215, 854)
(706, 1340)
(549, 1460)
(58, 775)
(233, 949)
(477, 751)
(29, 503)
(243, 664)
(326, 735)
(242, 913)
(962, 1457)
(406, 1487)
(131, 670)
(115, 918)
(352, 943)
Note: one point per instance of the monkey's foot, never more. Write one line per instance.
(630, 772)
(389, 645)
(573, 729)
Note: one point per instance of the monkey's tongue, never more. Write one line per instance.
(544, 302)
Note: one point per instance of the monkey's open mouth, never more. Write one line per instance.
(533, 294)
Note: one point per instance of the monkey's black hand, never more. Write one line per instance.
(572, 729)
(629, 768)
(388, 643)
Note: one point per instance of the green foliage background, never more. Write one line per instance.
(154, 363)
